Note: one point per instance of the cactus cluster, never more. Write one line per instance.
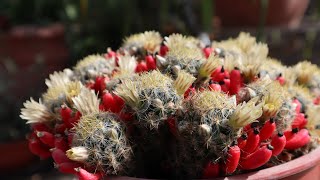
(102, 142)
(173, 108)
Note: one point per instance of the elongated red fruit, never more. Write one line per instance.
(299, 121)
(232, 159)
(214, 86)
(151, 62)
(257, 159)
(278, 142)
(207, 51)
(68, 167)
(65, 113)
(267, 130)
(85, 175)
(215, 73)
(100, 84)
(119, 104)
(61, 143)
(37, 148)
(299, 140)
(141, 67)
(108, 101)
(235, 81)
(46, 138)
(163, 50)
(74, 120)
(281, 79)
(252, 141)
(211, 170)
(242, 141)
(291, 134)
(59, 156)
(219, 74)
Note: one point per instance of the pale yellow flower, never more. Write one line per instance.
(35, 112)
(273, 97)
(208, 100)
(305, 71)
(177, 40)
(128, 91)
(73, 89)
(149, 40)
(209, 65)
(60, 78)
(246, 113)
(127, 65)
(54, 93)
(86, 102)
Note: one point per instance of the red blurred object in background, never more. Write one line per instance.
(286, 13)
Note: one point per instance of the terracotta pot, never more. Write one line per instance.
(247, 12)
(15, 155)
(24, 43)
(306, 167)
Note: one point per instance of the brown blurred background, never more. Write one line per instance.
(38, 37)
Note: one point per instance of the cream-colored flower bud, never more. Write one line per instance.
(79, 154)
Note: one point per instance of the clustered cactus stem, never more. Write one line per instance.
(172, 108)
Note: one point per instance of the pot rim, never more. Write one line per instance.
(289, 168)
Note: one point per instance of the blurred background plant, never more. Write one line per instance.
(38, 37)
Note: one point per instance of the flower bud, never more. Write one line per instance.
(79, 154)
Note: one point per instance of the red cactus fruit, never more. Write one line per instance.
(68, 167)
(39, 149)
(299, 140)
(278, 142)
(59, 156)
(46, 138)
(151, 62)
(252, 142)
(235, 81)
(257, 159)
(267, 130)
(85, 175)
(232, 159)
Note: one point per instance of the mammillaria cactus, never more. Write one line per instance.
(172, 108)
